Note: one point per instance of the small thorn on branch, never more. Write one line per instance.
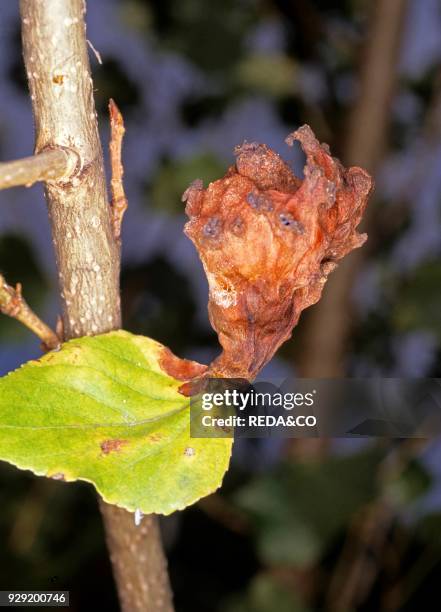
(14, 305)
(119, 200)
(96, 53)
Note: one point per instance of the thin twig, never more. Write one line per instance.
(119, 200)
(363, 552)
(52, 165)
(14, 305)
(359, 564)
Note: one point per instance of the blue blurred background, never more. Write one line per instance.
(304, 526)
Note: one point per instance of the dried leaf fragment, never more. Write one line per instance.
(268, 241)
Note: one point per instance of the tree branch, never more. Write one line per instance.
(329, 326)
(87, 255)
(58, 164)
(61, 89)
(14, 305)
(143, 586)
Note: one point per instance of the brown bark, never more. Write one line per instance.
(61, 90)
(87, 255)
(145, 587)
(328, 328)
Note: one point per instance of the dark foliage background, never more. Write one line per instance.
(334, 525)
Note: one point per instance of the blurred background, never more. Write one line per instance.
(298, 526)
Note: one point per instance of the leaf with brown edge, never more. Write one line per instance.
(268, 241)
(182, 369)
(108, 410)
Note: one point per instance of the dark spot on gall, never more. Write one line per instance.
(259, 202)
(288, 221)
(252, 199)
(212, 228)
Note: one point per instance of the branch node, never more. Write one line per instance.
(73, 164)
(53, 164)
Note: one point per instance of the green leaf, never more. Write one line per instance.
(103, 410)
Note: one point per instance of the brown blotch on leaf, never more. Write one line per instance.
(272, 241)
(112, 446)
(182, 369)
